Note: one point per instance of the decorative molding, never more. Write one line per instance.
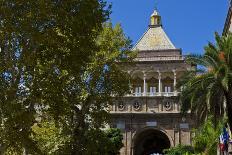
(137, 105)
(121, 106)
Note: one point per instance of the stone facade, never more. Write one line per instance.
(228, 22)
(226, 30)
(150, 115)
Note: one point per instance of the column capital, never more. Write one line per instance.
(144, 74)
(174, 70)
(175, 74)
(160, 74)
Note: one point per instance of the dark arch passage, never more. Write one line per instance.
(151, 141)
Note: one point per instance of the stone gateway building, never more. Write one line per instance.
(150, 116)
(228, 23)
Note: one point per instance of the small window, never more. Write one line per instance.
(152, 91)
(121, 124)
(138, 91)
(184, 125)
(167, 89)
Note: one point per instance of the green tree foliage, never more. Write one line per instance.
(180, 150)
(109, 142)
(207, 90)
(56, 60)
(48, 136)
(86, 106)
(205, 141)
(207, 137)
(102, 142)
(115, 136)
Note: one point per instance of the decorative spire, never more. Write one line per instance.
(155, 19)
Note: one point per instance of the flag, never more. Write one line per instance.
(221, 143)
(224, 140)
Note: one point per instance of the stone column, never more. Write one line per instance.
(130, 85)
(174, 82)
(144, 84)
(160, 83)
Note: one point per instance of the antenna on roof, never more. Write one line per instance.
(155, 18)
(156, 5)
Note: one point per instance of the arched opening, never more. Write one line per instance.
(150, 142)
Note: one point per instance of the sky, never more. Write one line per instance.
(190, 24)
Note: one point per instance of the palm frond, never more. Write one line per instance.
(203, 90)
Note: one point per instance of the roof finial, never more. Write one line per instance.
(156, 5)
(155, 17)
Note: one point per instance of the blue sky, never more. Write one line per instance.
(190, 24)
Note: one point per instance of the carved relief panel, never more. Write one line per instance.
(154, 105)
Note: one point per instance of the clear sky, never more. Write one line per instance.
(190, 24)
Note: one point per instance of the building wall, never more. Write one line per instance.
(160, 112)
(151, 120)
(228, 22)
(153, 114)
(179, 132)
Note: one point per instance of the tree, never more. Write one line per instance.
(115, 136)
(48, 136)
(205, 141)
(109, 142)
(207, 90)
(207, 137)
(56, 60)
(180, 150)
(50, 139)
(87, 104)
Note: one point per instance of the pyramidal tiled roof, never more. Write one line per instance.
(154, 38)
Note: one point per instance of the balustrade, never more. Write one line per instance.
(161, 58)
(147, 94)
(164, 89)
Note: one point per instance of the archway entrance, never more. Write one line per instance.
(150, 142)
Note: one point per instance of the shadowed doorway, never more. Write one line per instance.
(151, 141)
